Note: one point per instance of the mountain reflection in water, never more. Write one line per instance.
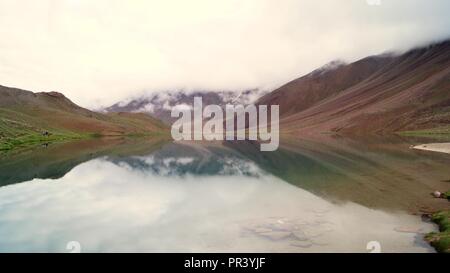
(218, 197)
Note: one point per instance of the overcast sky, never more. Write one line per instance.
(99, 52)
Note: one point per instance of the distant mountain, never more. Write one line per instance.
(159, 105)
(378, 94)
(25, 115)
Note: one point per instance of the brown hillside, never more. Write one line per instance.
(378, 94)
(24, 110)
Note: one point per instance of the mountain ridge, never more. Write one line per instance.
(385, 93)
(159, 105)
(28, 118)
(377, 94)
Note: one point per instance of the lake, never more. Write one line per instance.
(324, 194)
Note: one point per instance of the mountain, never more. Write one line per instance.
(27, 118)
(159, 105)
(378, 94)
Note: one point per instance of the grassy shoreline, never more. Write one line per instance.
(30, 140)
(441, 133)
(440, 240)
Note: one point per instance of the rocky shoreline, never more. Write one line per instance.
(440, 240)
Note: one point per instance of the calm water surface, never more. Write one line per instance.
(309, 196)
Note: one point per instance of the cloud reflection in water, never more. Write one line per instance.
(170, 202)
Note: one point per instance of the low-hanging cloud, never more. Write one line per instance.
(99, 52)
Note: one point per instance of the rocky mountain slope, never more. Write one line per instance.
(378, 94)
(159, 105)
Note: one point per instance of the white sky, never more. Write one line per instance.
(99, 52)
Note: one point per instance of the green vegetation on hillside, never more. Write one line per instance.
(17, 134)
